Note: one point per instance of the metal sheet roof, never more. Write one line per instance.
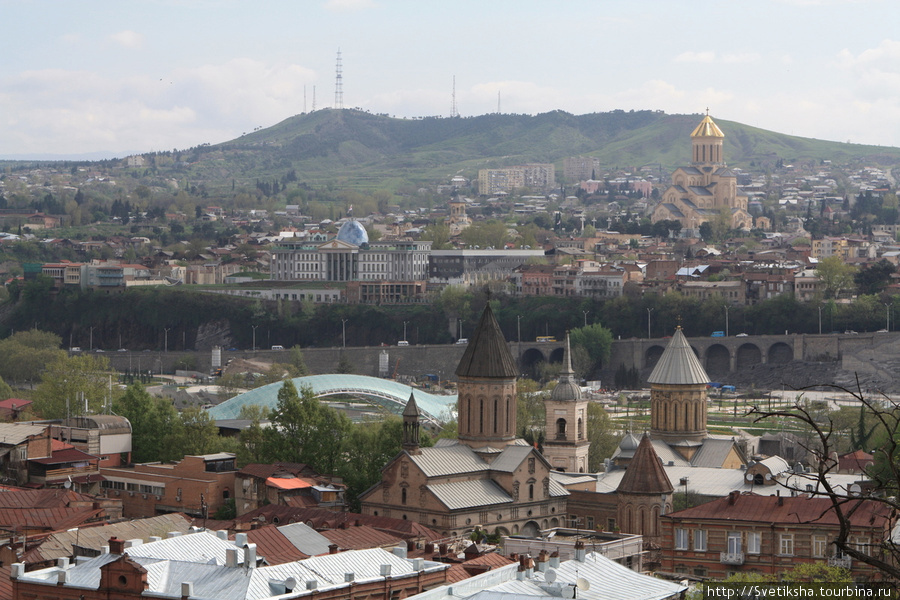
(469, 494)
(678, 364)
(306, 539)
(448, 460)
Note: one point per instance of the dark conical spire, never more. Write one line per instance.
(645, 473)
(411, 425)
(487, 354)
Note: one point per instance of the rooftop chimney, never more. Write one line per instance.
(542, 561)
(399, 551)
(579, 551)
(349, 577)
(429, 549)
(231, 557)
(187, 589)
(554, 559)
(250, 556)
(240, 540)
(116, 546)
(385, 570)
(332, 548)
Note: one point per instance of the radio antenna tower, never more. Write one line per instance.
(498, 102)
(314, 99)
(338, 83)
(304, 98)
(453, 111)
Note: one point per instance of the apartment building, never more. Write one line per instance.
(746, 532)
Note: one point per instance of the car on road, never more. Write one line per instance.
(741, 335)
(403, 343)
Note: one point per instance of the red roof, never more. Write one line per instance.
(859, 460)
(361, 537)
(14, 403)
(271, 544)
(321, 519)
(68, 455)
(485, 562)
(790, 510)
(285, 483)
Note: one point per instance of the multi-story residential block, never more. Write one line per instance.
(732, 292)
(807, 286)
(745, 532)
(195, 485)
(533, 280)
(580, 168)
(535, 176)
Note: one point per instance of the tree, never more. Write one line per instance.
(883, 554)
(156, 429)
(834, 275)
(199, 434)
(872, 279)
(601, 433)
(596, 340)
(530, 411)
(439, 236)
(25, 355)
(74, 385)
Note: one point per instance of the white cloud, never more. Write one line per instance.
(696, 57)
(128, 39)
(745, 57)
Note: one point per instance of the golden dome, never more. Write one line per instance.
(707, 128)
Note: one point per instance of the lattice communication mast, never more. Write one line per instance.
(338, 83)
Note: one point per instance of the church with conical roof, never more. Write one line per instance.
(699, 192)
(485, 478)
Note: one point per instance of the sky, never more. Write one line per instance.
(122, 77)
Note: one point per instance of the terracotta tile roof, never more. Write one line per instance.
(487, 354)
(645, 473)
(791, 510)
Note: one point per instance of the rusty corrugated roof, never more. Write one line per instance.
(487, 354)
(791, 510)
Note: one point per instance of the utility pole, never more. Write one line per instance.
(649, 310)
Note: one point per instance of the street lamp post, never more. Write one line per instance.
(519, 327)
(649, 310)
(166, 343)
(92, 339)
(344, 333)
(726, 320)
(585, 312)
(820, 320)
(887, 315)
(254, 336)
(404, 330)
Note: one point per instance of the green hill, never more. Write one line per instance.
(356, 148)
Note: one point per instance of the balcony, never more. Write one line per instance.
(731, 558)
(839, 561)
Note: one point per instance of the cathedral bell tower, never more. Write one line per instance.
(486, 383)
(565, 443)
(678, 396)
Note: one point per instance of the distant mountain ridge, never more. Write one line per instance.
(359, 147)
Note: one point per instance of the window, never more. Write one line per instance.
(734, 542)
(786, 544)
(861, 544)
(753, 542)
(590, 522)
(700, 540)
(681, 539)
(819, 545)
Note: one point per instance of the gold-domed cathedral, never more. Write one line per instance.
(701, 191)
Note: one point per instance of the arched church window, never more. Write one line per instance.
(560, 429)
